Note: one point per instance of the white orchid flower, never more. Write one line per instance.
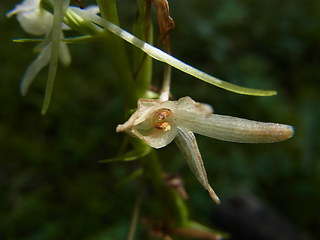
(158, 122)
(37, 21)
(32, 18)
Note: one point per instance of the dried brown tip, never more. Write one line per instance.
(213, 195)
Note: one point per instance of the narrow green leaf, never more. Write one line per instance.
(69, 40)
(174, 62)
(23, 40)
(129, 178)
(81, 39)
(60, 6)
(129, 156)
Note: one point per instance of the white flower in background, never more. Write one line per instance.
(158, 122)
(37, 21)
(32, 18)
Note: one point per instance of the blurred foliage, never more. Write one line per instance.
(51, 184)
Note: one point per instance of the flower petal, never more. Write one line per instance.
(141, 124)
(187, 107)
(154, 137)
(145, 107)
(34, 68)
(32, 18)
(235, 129)
(64, 52)
(187, 144)
(92, 9)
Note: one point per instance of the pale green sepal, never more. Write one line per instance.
(188, 146)
(235, 129)
(129, 156)
(34, 68)
(174, 62)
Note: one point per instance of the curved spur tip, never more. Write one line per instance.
(213, 195)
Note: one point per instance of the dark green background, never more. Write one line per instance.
(52, 186)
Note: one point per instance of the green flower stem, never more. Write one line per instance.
(118, 54)
(55, 42)
(135, 217)
(172, 207)
(142, 63)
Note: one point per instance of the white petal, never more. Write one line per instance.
(92, 9)
(34, 68)
(35, 21)
(27, 5)
(145, 107)
(187, 108)
(144, 111)
(188, 105)
(64, 53)
(154, 137)
(236, 129)
(141, 124)
(187, 144)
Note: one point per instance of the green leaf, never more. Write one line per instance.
(128, 156)
(174, 62)
(23, 40)
(60, 6)
(206, 231)
(134, 175)
(69, 40)
(81, 39)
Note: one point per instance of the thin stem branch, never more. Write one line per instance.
(165, 91)
(59, 10)
(135, 217)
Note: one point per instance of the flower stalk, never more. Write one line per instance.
(60, 7)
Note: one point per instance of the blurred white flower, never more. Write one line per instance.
(32, 18)
(37, 21)
(158, 122)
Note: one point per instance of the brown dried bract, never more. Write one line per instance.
(166, 23)
(79, 3)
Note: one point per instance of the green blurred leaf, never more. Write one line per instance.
(128, 156)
